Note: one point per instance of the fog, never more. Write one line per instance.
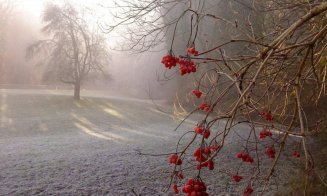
(18, 32)
(141, 75)
(130, 97)
(129, 72)
(135, 74)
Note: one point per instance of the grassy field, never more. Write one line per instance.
(52, 145)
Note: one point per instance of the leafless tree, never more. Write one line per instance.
(74, 49)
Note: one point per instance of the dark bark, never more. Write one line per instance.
(77, 90)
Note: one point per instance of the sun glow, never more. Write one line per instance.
(94, 12)
(35, 7)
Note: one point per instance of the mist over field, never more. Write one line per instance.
(133, 74)
(163, 97)
(52, 144)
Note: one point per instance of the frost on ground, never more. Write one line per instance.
(51, 144)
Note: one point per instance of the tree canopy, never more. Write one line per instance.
(74, 47)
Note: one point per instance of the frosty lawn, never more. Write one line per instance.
(51, 144)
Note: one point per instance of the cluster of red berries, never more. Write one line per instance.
(296, 154)
(237, 178)
(192, 51)
(174, 159)
(270, 151)
(265, 133)
(245, 157)
(205, 107)
(169, 61)
(186, 66)
(266, 115)
(197, 93)
(202, 131)
(195, 188)
(202, 155)
(248, 191)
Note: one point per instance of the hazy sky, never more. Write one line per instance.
(132, 72)
(34, 8)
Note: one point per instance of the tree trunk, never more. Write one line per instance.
(77, 89)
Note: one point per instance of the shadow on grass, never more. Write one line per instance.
(113, 120)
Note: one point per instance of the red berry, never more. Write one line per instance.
(240, 155)
(175, 189)
(265, 133)
(179, 162)
(190, 181)
(200, 159)
(188, 188)
(237, 178)
(197, 93)
(248, 191)
(249, 159)
(270, 152)
(197, 152)
(192, 51)
(296, 154)
(183, 189)
(173, 158)
(183, 70)
(206, 134)
(211, 165)
(266, 115)
(245, 157)
(207, 151)
(198, 130)
(192, 68)
(205, 107)
(180, 175)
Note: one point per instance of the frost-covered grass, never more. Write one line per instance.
(50, 144)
